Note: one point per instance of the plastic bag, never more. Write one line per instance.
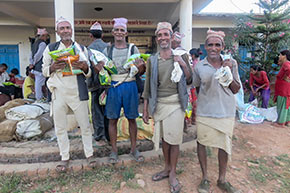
(69, 70)
(130, 63)
(69, 56)
(224, 76)
(109, 64)
(103, 98)
(61, 53)
(104, 77)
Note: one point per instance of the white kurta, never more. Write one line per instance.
(65, 97)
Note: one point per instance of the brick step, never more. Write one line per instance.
(49, 152)
(43, 170)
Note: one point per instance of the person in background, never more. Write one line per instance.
(216, 109)
(165, 95)
(100, 122)
(8, 90)
(194, 53)
(13, 73)
(28, 85)
(37, 50)
(179, 50)
(282, 89)
(260, 85)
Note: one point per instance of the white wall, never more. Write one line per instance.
(18, 35)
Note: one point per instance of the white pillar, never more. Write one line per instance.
(64, 8)
(185, 23)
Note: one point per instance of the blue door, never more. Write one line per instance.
(204, 54)
(9, 54)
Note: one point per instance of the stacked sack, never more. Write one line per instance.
(8, 127)
(24, 120)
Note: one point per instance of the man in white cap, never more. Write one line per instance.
(124, 92)
(216, 109)
(69, 93)
(35, 59)
(100, 122)
(166, 98)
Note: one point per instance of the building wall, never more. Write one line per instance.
(18, 35)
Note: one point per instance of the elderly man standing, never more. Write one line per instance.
(69, 93)
(166, 97)
(100, 122)
(37, 50)
(215, 108)
(124, 92)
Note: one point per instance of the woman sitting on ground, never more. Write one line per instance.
(260, 85)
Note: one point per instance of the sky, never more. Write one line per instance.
(231, 6)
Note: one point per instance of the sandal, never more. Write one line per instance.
(113, 158)
(92, 163)
(62, 167)
(227, 187)
(158, 176)
(137, 156)
(204, 186)
(175, 188)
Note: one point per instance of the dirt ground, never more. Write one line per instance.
(260, 163)
(255, 165)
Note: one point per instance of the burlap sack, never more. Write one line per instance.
(9, 105)
(7, 130)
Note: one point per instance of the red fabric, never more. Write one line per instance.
(12, 79)
(259, 81)
(193, 96)
(282, 87)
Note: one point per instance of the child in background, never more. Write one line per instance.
(13, 73)
(28, 86)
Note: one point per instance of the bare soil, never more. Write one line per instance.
(260, 163)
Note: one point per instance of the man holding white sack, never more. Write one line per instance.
(69, 93)
(218, 80)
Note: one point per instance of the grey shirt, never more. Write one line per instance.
(214, 100)
(98, 44)
(165, 86)
(119, 57)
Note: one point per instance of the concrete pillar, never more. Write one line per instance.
(64, 8)
(185, 23)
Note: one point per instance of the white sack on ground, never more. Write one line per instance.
(270, 114)
(24, 112)
(30, 128)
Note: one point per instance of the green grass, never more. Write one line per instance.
(272, 169)
(11, 183)
(71, 182)
(128, 173)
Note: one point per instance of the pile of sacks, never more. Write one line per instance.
(19, 119)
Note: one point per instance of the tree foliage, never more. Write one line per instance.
(264, 35)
